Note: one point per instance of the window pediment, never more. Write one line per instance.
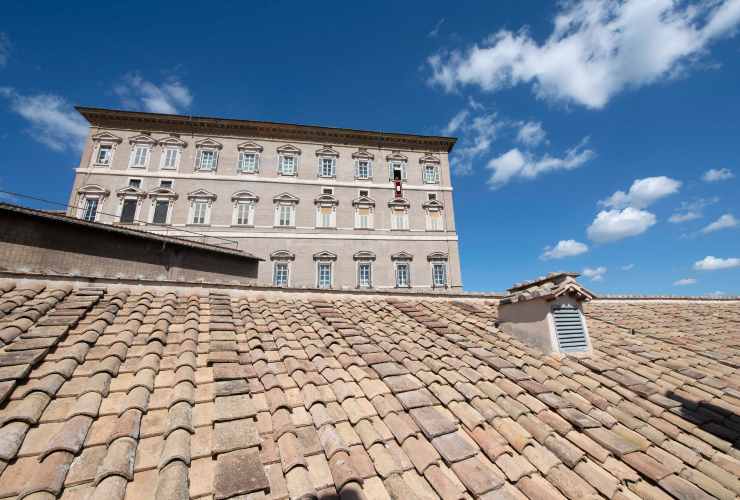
(399, 203)
(244, 196)
(130, 191)
(106, 137)
(363, 201)
(433, 204)
(324, 255)
(364, 255)
(288, 149)
(250, 147)
(208, 143)
(173, 141)
(163, 193)
(142, 139)
(285, 198)
(429, 158)
(397, 156)
(327, 151)
(93, 189)
(201, 193)
(326, 199)
(282, 255)
(437, 256)
(402, 255)
(363, 154)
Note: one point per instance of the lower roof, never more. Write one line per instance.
(212, 393)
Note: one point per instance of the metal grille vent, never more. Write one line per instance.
(569, 329)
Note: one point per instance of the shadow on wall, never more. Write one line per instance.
(713, 419)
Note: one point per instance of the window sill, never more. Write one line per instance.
(242, 172)
(363, 178)
(323, 227)
(401, 230)
(242, 225)
(287, 175)
(101, 165)
(196, 225)
(284, 227)
(364, 229)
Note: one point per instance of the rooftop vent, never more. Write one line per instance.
(546, 313)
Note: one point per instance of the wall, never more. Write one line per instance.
(32, 244)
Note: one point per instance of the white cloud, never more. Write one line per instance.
(715, 175)
(684, 217)
(724, 222)
(684, 282)
(54, 122)
(614, 225)
(711, 263)
(478, 135)
(595, 274)
(643, 193)
(597, 49)
(515, 163)
(4, 49)
(628, 267)
(435, 30)
(564, 248)
(456, 122)
(692, 210)
(531, 134)
(171, 97)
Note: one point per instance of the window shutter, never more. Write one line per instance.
(325, 210)
(363, 211)
(334, 168)
(369, 169)
(403, 171)
(390, 171)
(569, 329)
(357, 168)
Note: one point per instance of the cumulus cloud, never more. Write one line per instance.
(716, 175)
(4, 49)
(564, 248)
(615, 225)
(515, 163)
(726, 221)
(595, 273)
(597, 49)
(711, 263)
(53, 121)
(171, 96)
(531, 134)
(643, 193)
(684, 282)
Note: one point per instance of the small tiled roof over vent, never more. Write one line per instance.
(569, 328)
(549, 287)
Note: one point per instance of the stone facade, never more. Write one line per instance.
(428, 238)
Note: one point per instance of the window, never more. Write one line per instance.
(244, 213)
(431, 174)
(287, 165)
(325, 216)
(327, 167)
(170, 158)
(363, 218)
(165, 183)
(435, 221)
(364, 192)
(105, 153)
(397, 170)
(399, 218)
(402, 275)
(247, 162)
(363, 169)
(329, 191)
(431, 196)
(128, 211)
(324, 274)
(364, 274)
(90, 210)
(285, 215)
(280, 274)
(207, 159)
(134, 183)
(439, 274)
(161, 209)
(139, 156)
(200, 212)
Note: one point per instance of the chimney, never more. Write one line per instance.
(547, 314)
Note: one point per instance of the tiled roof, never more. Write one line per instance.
(549, 287)
(174, 393)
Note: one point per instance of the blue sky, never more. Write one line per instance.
(598, 137)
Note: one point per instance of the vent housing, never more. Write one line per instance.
(569, 328)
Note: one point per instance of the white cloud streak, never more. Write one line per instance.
(615, 225)
(692, 210)
(628, 267)
(716, 175)
(517, 164)
(53, 121)
(711, 263)
(726, 221)
(170, 97)
(595, 273)
(597, 49)
(531, 134)
(478, 135)
(685, 282)
(564, 248)
(435, 30)
(643, 193)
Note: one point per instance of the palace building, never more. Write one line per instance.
(324, 207)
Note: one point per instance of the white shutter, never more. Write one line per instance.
(369, 169)
(357, 168)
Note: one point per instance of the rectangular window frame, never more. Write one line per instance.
(430, 173)
(403, 265)
(171, 181)
(90, 203)
(239, 206)
(364, 282)
(361, 165)
(401, 214)
(326, 220)
(139, 157)
(110, 148)
(327, 167)
(200, 160)
(437, 265)
(200, 212)
(252, 167)
(167, 213)
(392, 168)
(279, 214)
(321, 281)
(134, 216)
(138, 180)
(277, 274)
(163, 164)
(435, 223)
(359, 218)
(282, 162)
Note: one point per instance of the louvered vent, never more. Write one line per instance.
(569, 328)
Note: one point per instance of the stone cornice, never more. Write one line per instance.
(155, 122)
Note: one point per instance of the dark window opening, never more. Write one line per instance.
(160, 212)
(128, 212)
